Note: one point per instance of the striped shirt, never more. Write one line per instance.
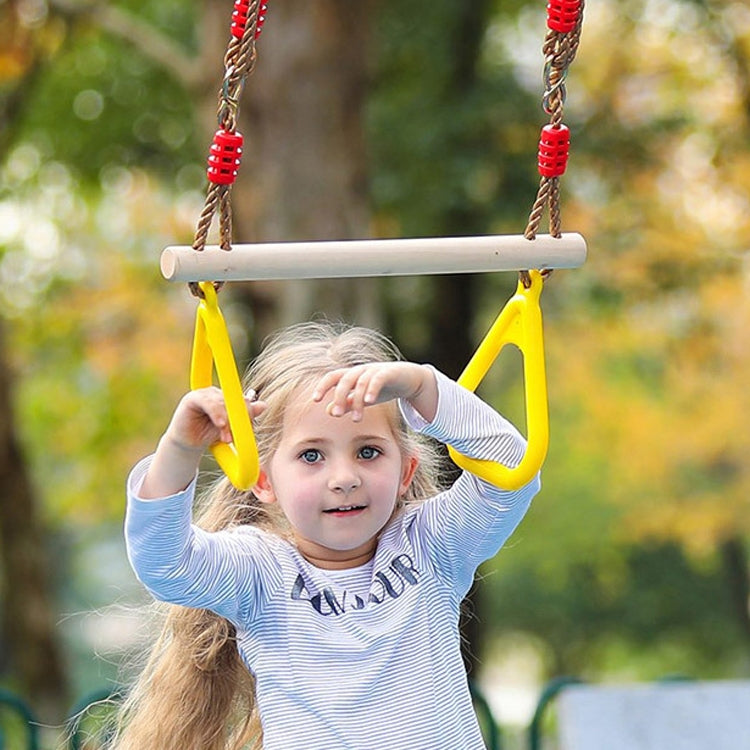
(366, 658)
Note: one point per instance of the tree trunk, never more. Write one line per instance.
(29, 649)
(32, 654)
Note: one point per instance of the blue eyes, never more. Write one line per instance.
(313, 455)
(310, 456)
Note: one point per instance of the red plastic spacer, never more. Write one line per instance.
(224, 157)
(262, 11)
(562, 15)
(240, 14)
(239, 18)
(554, 146)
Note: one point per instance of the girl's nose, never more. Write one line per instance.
(344, 479)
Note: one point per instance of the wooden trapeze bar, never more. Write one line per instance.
(388, 257)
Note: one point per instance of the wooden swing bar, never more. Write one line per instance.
(356, 258)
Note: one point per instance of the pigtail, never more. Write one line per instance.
(194, 691)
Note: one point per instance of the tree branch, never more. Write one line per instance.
(190, 71)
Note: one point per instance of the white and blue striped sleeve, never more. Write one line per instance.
(227, 572)
(472, 520)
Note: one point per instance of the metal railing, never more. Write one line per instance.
(90, 717)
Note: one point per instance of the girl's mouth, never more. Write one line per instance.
(344, 510)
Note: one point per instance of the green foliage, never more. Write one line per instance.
(92, 331)
(111, 106)
(637, 613)
(176, 20)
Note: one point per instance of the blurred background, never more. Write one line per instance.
(386, 118)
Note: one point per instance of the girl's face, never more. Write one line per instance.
(336, 480)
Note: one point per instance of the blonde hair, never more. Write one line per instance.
(195, 692)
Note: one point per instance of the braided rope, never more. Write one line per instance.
(239, 62)
(559, 50)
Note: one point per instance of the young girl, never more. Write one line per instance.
(320, 610)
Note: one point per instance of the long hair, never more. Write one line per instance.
(195, 693)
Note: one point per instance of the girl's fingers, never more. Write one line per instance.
(368, 390)
(348, 394)
(201, 417)
(351, 389)
(220, 417)
(255, 408)
(212, 403)
(327, 382)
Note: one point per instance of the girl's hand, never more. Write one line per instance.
(199, 420)
(352, 389)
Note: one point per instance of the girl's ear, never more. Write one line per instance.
(407, 473)
(263, 490)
